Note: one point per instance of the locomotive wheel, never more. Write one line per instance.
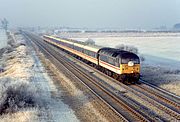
(121, 78)
(115, 76)
(106, 72)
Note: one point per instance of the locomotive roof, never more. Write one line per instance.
(117, 53)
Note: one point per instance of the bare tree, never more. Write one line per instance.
(130, 49)
(127, 48)
(4, 23)
(90, 42)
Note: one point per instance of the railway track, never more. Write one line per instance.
(172, 103)
(118, 104)
(166, 102)
(160, 102)
(161, 91)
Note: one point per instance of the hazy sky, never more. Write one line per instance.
(125, 14)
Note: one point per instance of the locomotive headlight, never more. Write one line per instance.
(130, 63)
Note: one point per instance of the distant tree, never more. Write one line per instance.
(130, 49)
(90, 42)
(4, 23)
(142, 58)
(177, 26)
(127, 48)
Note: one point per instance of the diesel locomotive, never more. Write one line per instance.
(119, 64)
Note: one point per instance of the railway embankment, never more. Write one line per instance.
(16, 96)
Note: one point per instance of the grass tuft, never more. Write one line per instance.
(17, 97)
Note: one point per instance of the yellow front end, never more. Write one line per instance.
(125, 69)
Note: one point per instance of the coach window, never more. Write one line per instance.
(85, 51)
(62, 43)
(80, 49)
(71, 46)
(95, 55)
(92, 54)
(75, 47)
(68, 45)
(88, 52)
(58, 42)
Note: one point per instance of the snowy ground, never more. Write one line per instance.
(160, 50)
(26, 89)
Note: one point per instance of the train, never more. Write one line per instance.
(122, 65)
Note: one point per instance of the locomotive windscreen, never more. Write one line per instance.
(126, 57)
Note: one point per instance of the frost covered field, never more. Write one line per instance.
(160, 50)
(25, 88)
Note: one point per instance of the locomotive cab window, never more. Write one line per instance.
(126, 60)
(104, 58)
